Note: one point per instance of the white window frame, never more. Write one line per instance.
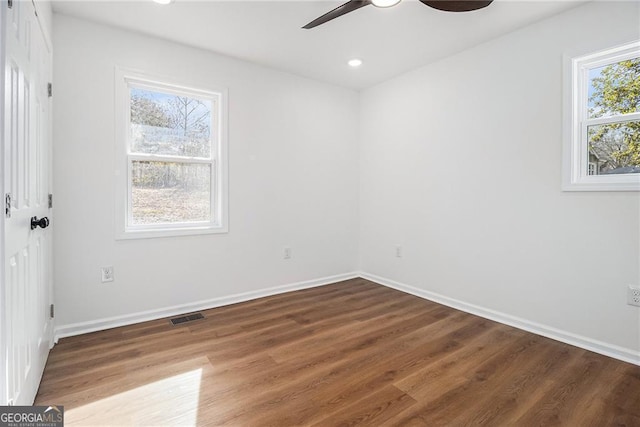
(576, 121)
(218, 222)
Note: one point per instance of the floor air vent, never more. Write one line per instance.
(187, 318)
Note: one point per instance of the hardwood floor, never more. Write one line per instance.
(343, 354)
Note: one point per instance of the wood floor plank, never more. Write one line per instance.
(375, 409)
(429, 382)
(346, 331)
(577, 384)
(344, 383)
(401, 361)
(499, 403)
(451, 398)
(304, 378)
(349, 353)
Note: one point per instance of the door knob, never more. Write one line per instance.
(42, 222)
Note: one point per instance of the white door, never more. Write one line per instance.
(27, 295)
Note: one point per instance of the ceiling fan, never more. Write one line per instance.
(446, 5)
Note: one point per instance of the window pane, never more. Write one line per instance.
(164, 192)
(167, 124)
(614, 89)
(614, 148)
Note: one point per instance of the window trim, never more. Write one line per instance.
(123, 160)
(575, 120)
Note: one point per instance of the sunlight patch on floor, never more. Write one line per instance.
(171, 401)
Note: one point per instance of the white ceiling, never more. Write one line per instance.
(389, 41)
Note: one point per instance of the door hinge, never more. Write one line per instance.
(52, 311)
(7, 205)
(49, 90)
(10, 3)
(50, 201)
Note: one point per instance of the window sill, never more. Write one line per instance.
(601, 183)
(170, 232)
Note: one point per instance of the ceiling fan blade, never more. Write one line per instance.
(457, 5)
(350, 6)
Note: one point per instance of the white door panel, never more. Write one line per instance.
(27, 326)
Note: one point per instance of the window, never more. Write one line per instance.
(172, 158)
(602, 117)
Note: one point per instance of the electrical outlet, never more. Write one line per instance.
(633, 295)
(398, 251)
(107, 274)
(287, 253)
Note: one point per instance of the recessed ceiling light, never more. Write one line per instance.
(163, 1)
(385, 3)
(355, 62)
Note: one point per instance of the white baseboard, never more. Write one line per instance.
(620, 353)
(129, 319)
(617, 352)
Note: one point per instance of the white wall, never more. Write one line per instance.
(461, 165)
(293, 180)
